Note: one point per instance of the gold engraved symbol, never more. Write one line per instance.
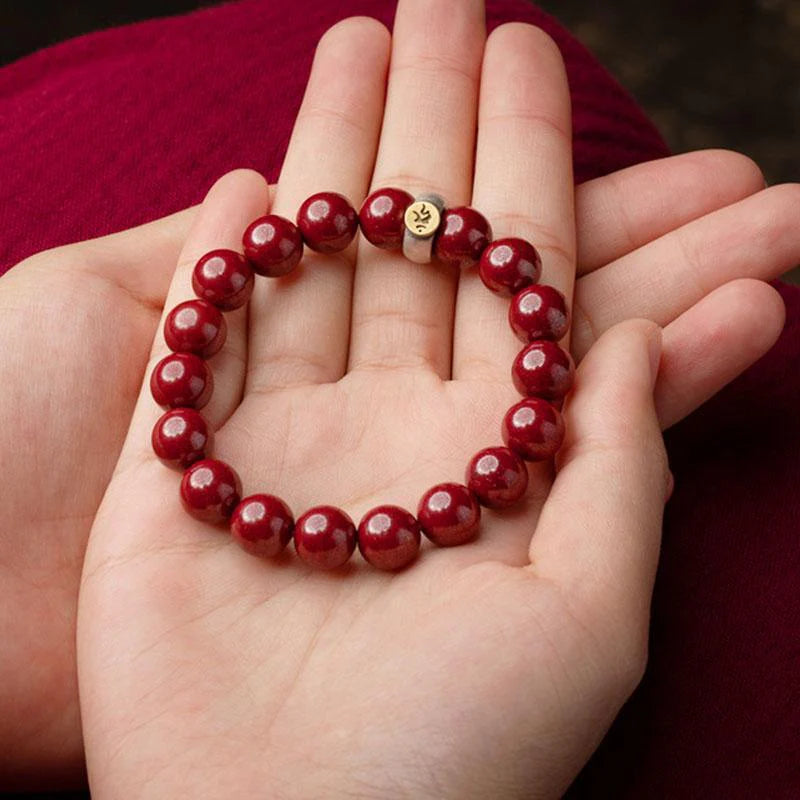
(422, 218)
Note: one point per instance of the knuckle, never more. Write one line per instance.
(413, 183)
(439, 66)
(276, 371)
(333, 122)
(542, 237)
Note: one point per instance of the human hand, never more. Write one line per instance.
(117, 284)
(490, 670)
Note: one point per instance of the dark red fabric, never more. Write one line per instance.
(119, 127)
(122, 126)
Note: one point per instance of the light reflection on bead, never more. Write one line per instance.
(533, 429)
(325, 537)
(273, 245)
(509, 265)
(210, 490)
(181, 437)
(543, 369)
(196, 327)
(497, 476)
(539, 312)
(181, 379)
(262, 524)
(449, 514)
(389, 537)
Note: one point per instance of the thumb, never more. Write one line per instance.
(599, 532)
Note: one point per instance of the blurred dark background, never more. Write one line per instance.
(720, 73)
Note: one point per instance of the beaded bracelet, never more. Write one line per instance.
(388, 537)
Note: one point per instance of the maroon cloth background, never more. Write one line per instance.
(118, 127)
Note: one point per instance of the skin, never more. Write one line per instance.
(182, 636)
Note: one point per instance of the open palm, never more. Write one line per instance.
(467, 675)
(379, 435)
(471, 674)
(480, 671)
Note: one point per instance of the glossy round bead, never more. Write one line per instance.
(449, 514)
(181, 379)
(543, 369)
(389, 537)
(273, 245)
(224, 278)
(508, 265)
(181, 437)
(539, 312)
(533, 429)
(325, 537)
(210, 490)
(262, 524)
(381, 217)
(463, 236)
(497, 476)
(195, 327)
(327, 221)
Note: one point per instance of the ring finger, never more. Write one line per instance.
(523, 183)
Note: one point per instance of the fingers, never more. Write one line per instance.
(599, 532)
(714, 342)
(403, 312)
(619, 213)
(523, 184)
(228, 207)
(299, 324)
(756, 238)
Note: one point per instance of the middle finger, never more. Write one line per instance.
(403, 312)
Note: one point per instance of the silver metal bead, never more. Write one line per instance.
(422, 219)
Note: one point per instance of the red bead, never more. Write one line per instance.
(181, 379)
(181, 437)
(325, 537)
(327, 221)
(382, 217)
(449, 514)
(463, 235)
(509, 265)
(497, 476)
(224, 278)
(210, 490)
(533, 429)
(273, 245)
(195, 327)
(543, 369)
(262, 524)
(389, 537)
(539, 312)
